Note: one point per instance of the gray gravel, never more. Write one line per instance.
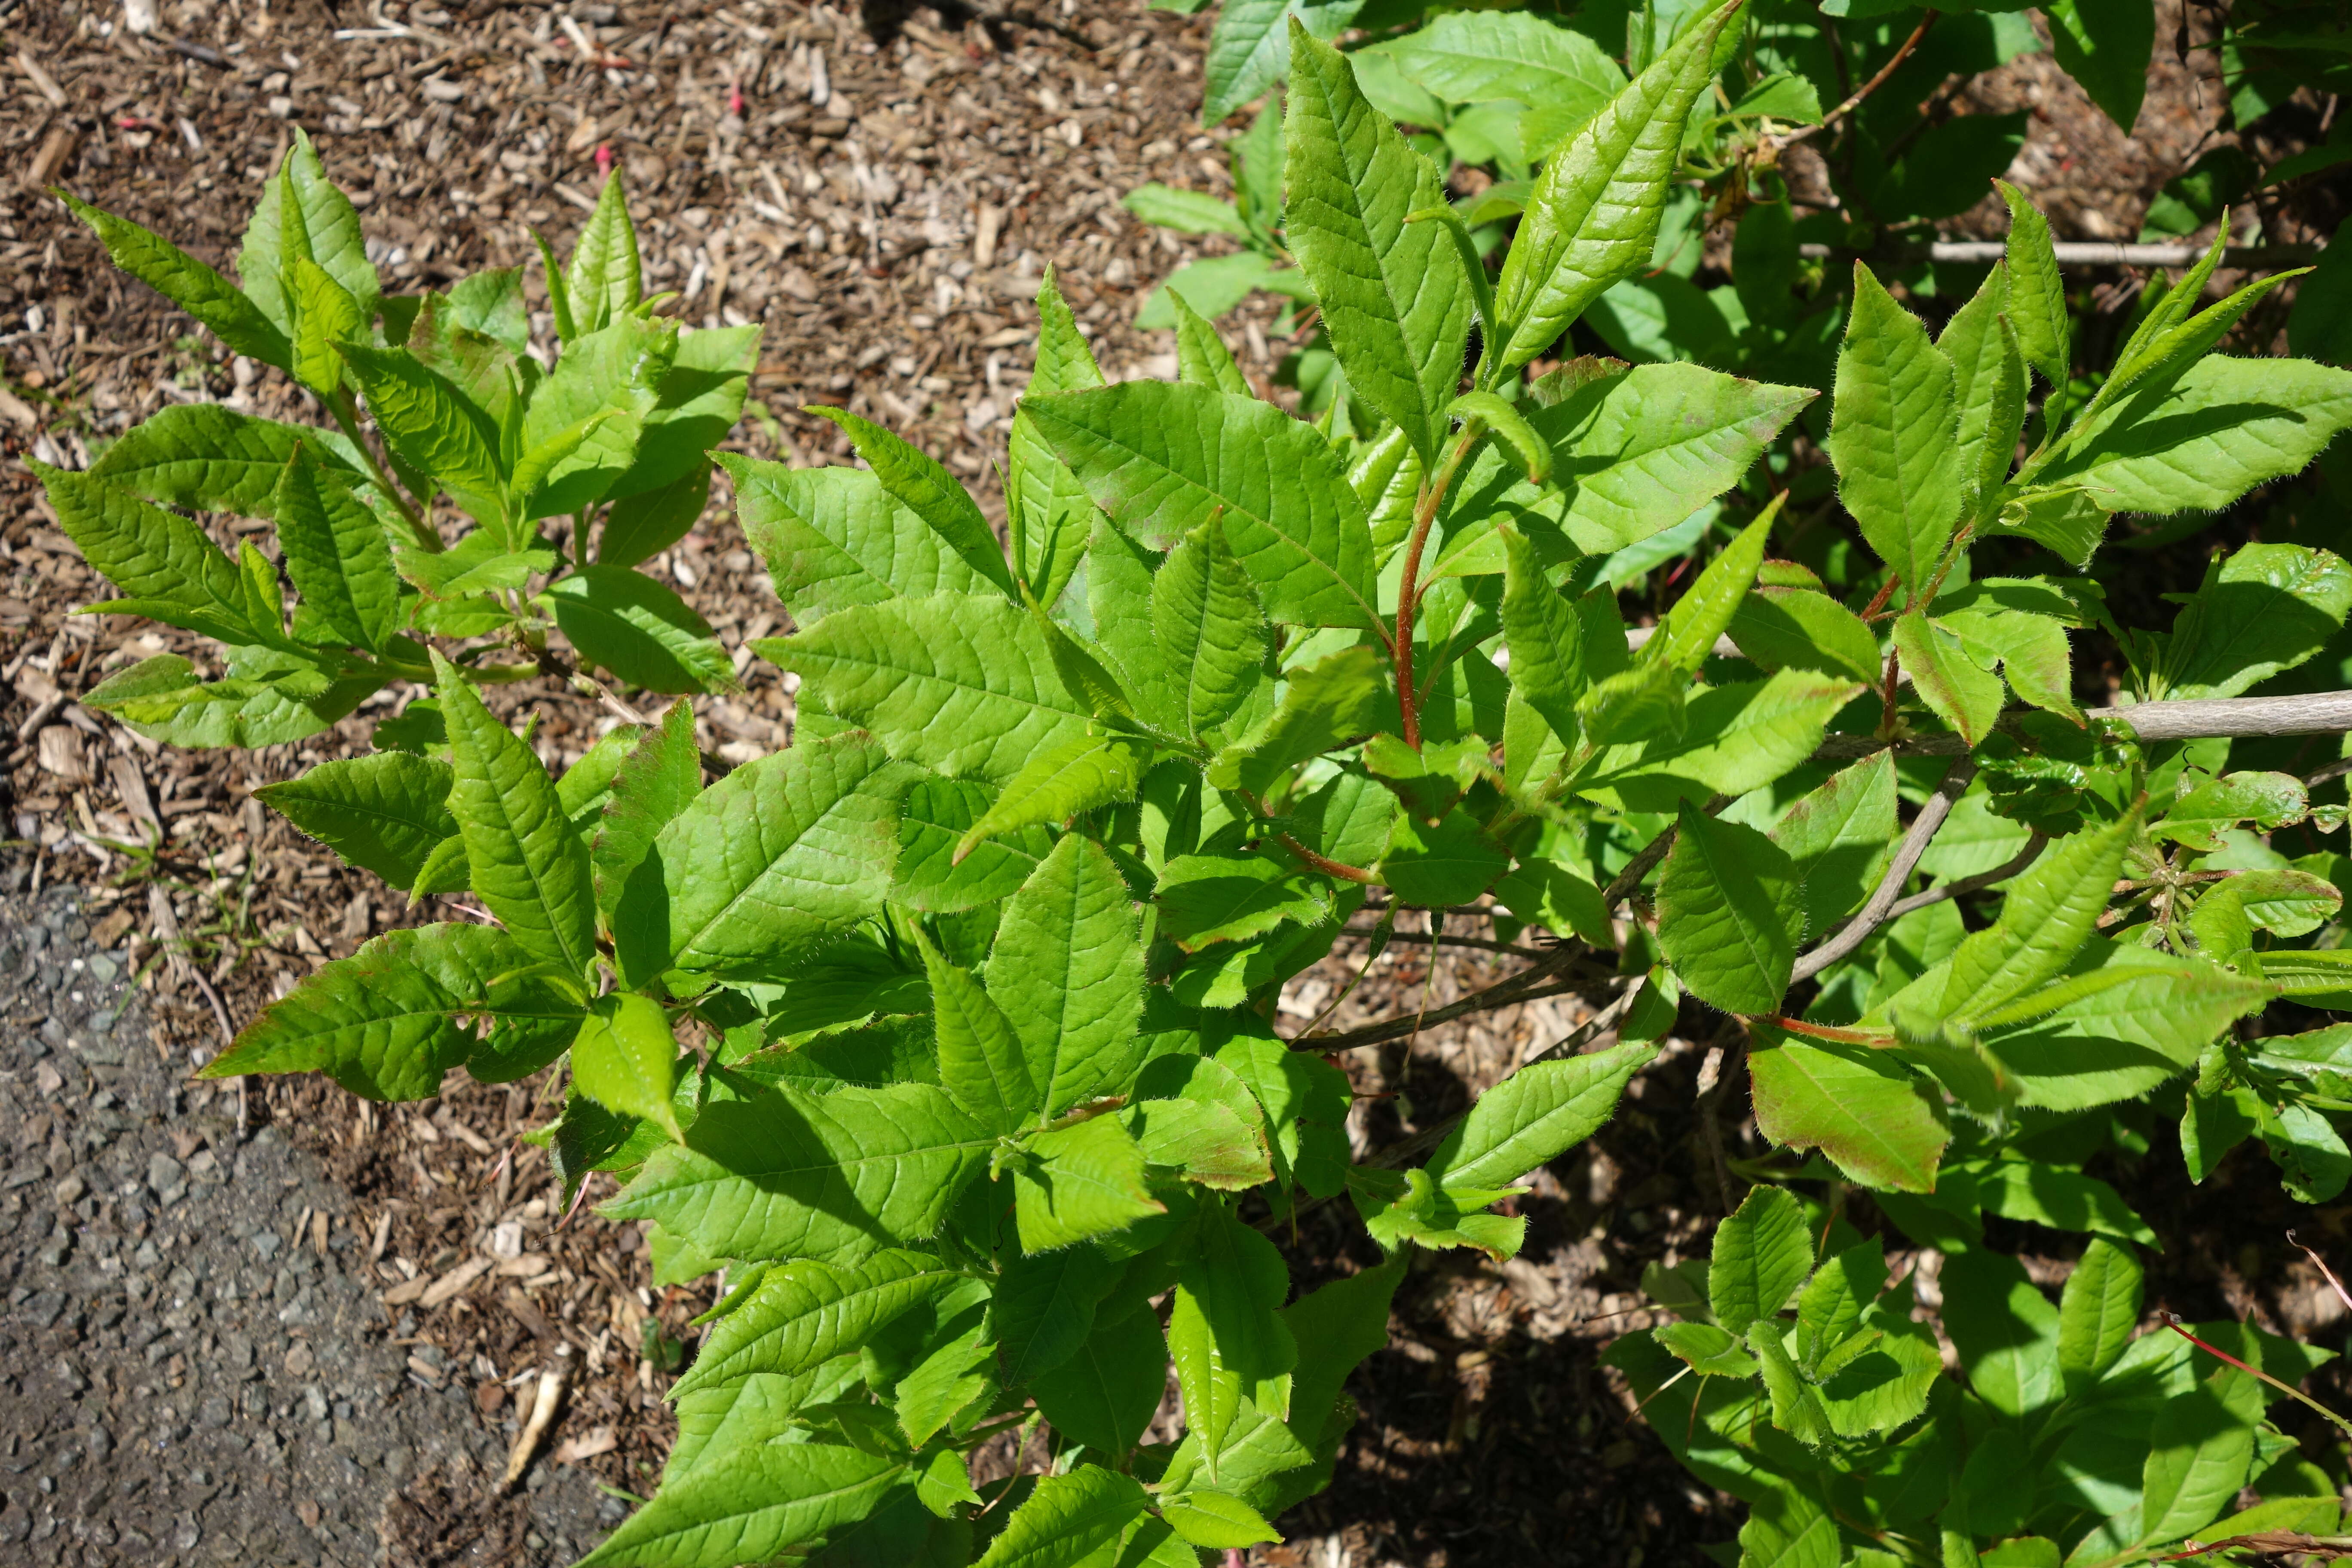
(184, 1377)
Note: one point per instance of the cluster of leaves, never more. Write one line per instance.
(1502, 89)
(609, 429)
(2071, 1435)
(945, 1031)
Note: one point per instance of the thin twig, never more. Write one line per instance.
(1525, 986)
(1482, 944)
(2035, 844)
(1876, 911)
(1854, 100)
(1429, 1138)
(1379, 935)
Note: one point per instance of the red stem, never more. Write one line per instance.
(1408, 586)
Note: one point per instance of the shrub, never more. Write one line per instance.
(947, 1029)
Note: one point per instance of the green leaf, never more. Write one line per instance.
(776, 859)
(1796, 1405)
(1838, 835)
(918, 482)
(1205, 898)
(1186, 211)
(802, 1315)
(1535, 1116)
(1830, 1308)
(1225, 1335)
(1207, 621)
(1393, 297)
(638, 629)
(1044, 1307)
(639, 526)
(745, 1502)
(1335, 1327)
(2006, 1330)
(2202, 1450)
(981, 1065)
(1249, 47)
(2050, 911)
(487, 374)
(695, 405)
(834, 1176)
(390, 1020)
(1730, 913)
(2200, 439)
(1215, 1521)
(1958, 689)
(2313, 1164)
(1634, 452)
(1201, 357)
(161, 698)
(324, 316)
(2035, 300)
(1051, 518)
(430, 425)
(1894, 433)
(1399, 1207)
(1762, 1253)
(2267, 608)
(832, 538)
(1334, 698)
(1441, 865)
(603, 281)
(337, 553)
(2059, 1198)
(1734, 737)
(491, 303)
(1068, 1520)
(1478, 56)
(528, 867)
(1080, 1182)
(2098, 1312)
(1686, 638)
(937, 814)
(2107, 45)
(385, 812)
(1593, 216)
(1545, 636)
(1067, 970)
(658, 779)
(2265, 800)
(2030, 649)
(163, 562)
(1204, 1141)
(203, 456)
(1062, 781)
(626, 1058)
(1162, 458)
(1106, 1394)
(188, 283)
(616, 372)
(1216, 285)
(1881, 1125)
(2141, 1019)
(330, 226)
(1988, 387)
(959, 683)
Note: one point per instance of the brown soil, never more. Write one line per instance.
(890, 239)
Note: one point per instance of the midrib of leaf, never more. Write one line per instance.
(530, 863)
(1741, 917)
(1892, 1152)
